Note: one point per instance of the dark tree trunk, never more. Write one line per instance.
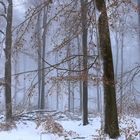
(139, 22)
(80, 82)
(85, 72)
(111, 117)
(8, 46)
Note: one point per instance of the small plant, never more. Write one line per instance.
(100, 135)
(50, 126)
(6, 126)
(128, 128)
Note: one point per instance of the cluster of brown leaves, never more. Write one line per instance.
(6, 126)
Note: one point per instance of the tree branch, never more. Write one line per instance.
(4, 6)
(2, 32)
(3, 15)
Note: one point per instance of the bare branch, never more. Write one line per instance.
(3, 15)
(66, 69)
(4, 6)
(2, 32)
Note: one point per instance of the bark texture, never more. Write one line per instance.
(8, 47)
(85, 61)
(111, 117)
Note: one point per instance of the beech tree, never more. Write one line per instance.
(85, 61)
(139, 18)
(110, 107)
(8, 47)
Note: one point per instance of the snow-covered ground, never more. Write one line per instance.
(28, 130)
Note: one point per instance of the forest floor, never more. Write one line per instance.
(64, 128)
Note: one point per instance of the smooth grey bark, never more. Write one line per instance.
(117, 56)
(80, 82)
(139, 22)
(122, 66)
(70, 84)
(111, 117)
(39, 48)
(85, 60)
(8, 47)
(16, 79)
(41, 45)
(42, 100)
(69, 74)
(69, 100)
(98, 69)
(57, 85)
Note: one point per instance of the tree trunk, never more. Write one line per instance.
(80, 82)
(69, 74)
(85, 72)
(117, 55)
(8, 46)
(43, 58)
(98, 69)
(139, 22)
(121, 81)
(39, 48)
(57, 85)
(111, 117)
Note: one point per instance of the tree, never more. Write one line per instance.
(85, 61)
(41, 49)
(8, 47)
(111, 118)
(139, 18)
(38, 26)
(42, 105)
